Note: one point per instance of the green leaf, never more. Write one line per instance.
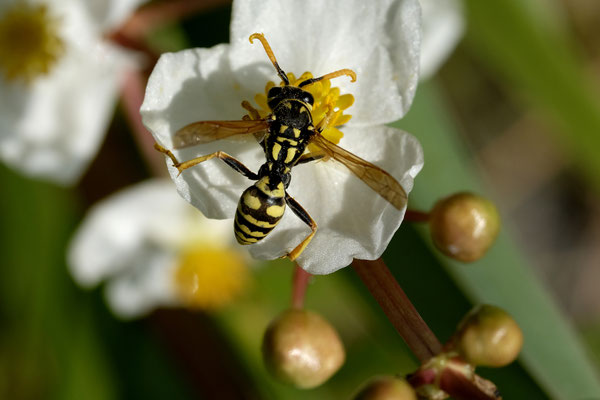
(539, 62)
(45, 319)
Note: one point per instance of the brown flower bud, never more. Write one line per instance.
(464, 225)
(488, 336)
(302, 348)
(387, 388)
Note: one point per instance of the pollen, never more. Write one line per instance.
(209, 278)
(29, 42)
(328, 109)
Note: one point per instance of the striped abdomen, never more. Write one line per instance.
(260, 209)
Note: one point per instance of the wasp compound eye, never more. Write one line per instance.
(308, 98)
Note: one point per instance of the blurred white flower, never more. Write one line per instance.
(58, 82)
(443, 26)
(153, 249)
(379, 41)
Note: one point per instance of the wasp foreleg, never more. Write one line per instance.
(229, 160)
(303, 215)
(251, 110)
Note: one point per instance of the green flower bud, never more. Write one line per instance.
(464, 226)
(488, 336)
(387, 388)
(302, 348)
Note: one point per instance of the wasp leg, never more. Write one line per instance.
(325, 121)
(303, 215)
(251, 110)
(308, 157)
(229, 160)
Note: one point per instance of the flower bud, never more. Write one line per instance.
(464, 225)
(387, 388)
(301, 348)
(488, 336)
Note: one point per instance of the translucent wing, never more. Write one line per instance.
(208, 131)
(377, 179)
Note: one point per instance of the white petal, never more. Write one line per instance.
(120, 229)
(54, 130)
(195, 85)
(379, 41)
(53, 127)
(110, 14)
(188, 86)
(353, 221)
(443, 26)
(147, 284)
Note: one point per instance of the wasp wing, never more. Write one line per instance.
(377, 179)
(207, 131)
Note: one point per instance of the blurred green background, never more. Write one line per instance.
(514, 114)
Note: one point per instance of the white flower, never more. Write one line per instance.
(59, 80)
(443, 26)
(154, 249)
(379, 41)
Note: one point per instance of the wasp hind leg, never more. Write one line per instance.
(229, 160)
(310, 157)
(303, 215)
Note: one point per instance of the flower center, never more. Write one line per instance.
(29, 42)
(209, 277)
(328, 103)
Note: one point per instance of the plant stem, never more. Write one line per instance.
(420, 339)
(400, 311)
(416, 216)
(299, 284)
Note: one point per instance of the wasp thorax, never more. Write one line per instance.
(277, 94)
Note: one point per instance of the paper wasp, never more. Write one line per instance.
(287, 132)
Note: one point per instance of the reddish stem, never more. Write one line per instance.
(455, 384)
(460, 386)
(152, 15)
(132, 95)
(416, 216)
(406, 319)
(398, 308)
(136, 44)
(299, 284)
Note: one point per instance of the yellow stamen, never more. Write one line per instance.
(29, 42)
(209, 277)
(327, 98)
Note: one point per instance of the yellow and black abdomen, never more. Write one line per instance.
(259, 210)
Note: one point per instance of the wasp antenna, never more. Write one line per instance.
(331, 75)
(271, 56)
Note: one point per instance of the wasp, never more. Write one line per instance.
(284, 135)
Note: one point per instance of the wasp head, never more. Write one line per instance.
(277, 94)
